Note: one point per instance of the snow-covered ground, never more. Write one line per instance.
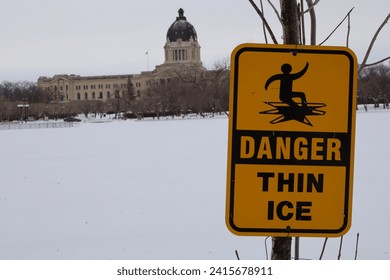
(155, 189)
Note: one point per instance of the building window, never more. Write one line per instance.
(108, 95)
(86, 96)
(100, 95)
(93, 95)
(108, 85)
(78, 96)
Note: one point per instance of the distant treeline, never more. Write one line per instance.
(201, 95)
(374, 86)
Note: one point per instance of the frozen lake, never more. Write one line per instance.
(155, 189)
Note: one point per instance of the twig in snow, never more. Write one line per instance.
(341, 245)
(357, 245)
(323, 248)
(238, 257)
(266, 251)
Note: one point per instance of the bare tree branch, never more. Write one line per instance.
(265, 21)
(349, 30)
(313, 21)
(303, 34)
(299, 23)
(378, 62)
(275, 10)
(364, 63)
(312, 6)
(264, 30)
(337, 27)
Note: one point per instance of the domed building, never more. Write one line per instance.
(182, 53)
(182, 43)
(181, 29)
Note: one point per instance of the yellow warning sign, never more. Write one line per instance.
(291, 140)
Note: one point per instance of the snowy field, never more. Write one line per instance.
(155, 189)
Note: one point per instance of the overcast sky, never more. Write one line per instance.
(104, 37)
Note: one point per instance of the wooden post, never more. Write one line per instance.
(281, 246)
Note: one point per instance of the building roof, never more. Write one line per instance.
(181, 29)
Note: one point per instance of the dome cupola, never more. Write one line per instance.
(181, 47)
(181, 29)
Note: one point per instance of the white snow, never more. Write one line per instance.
(155, 189)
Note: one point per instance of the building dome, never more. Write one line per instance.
(181, 29)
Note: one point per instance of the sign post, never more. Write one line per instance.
(291, 140)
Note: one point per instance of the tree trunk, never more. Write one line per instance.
(281, 246)
(289, 16)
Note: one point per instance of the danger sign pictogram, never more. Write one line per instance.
(291, 140)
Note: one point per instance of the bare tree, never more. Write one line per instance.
(290, 20)
(210, 89)
(364, 62)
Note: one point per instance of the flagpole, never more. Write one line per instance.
(147, 59)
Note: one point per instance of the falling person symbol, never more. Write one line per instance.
(286, 78)
(288, 108)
